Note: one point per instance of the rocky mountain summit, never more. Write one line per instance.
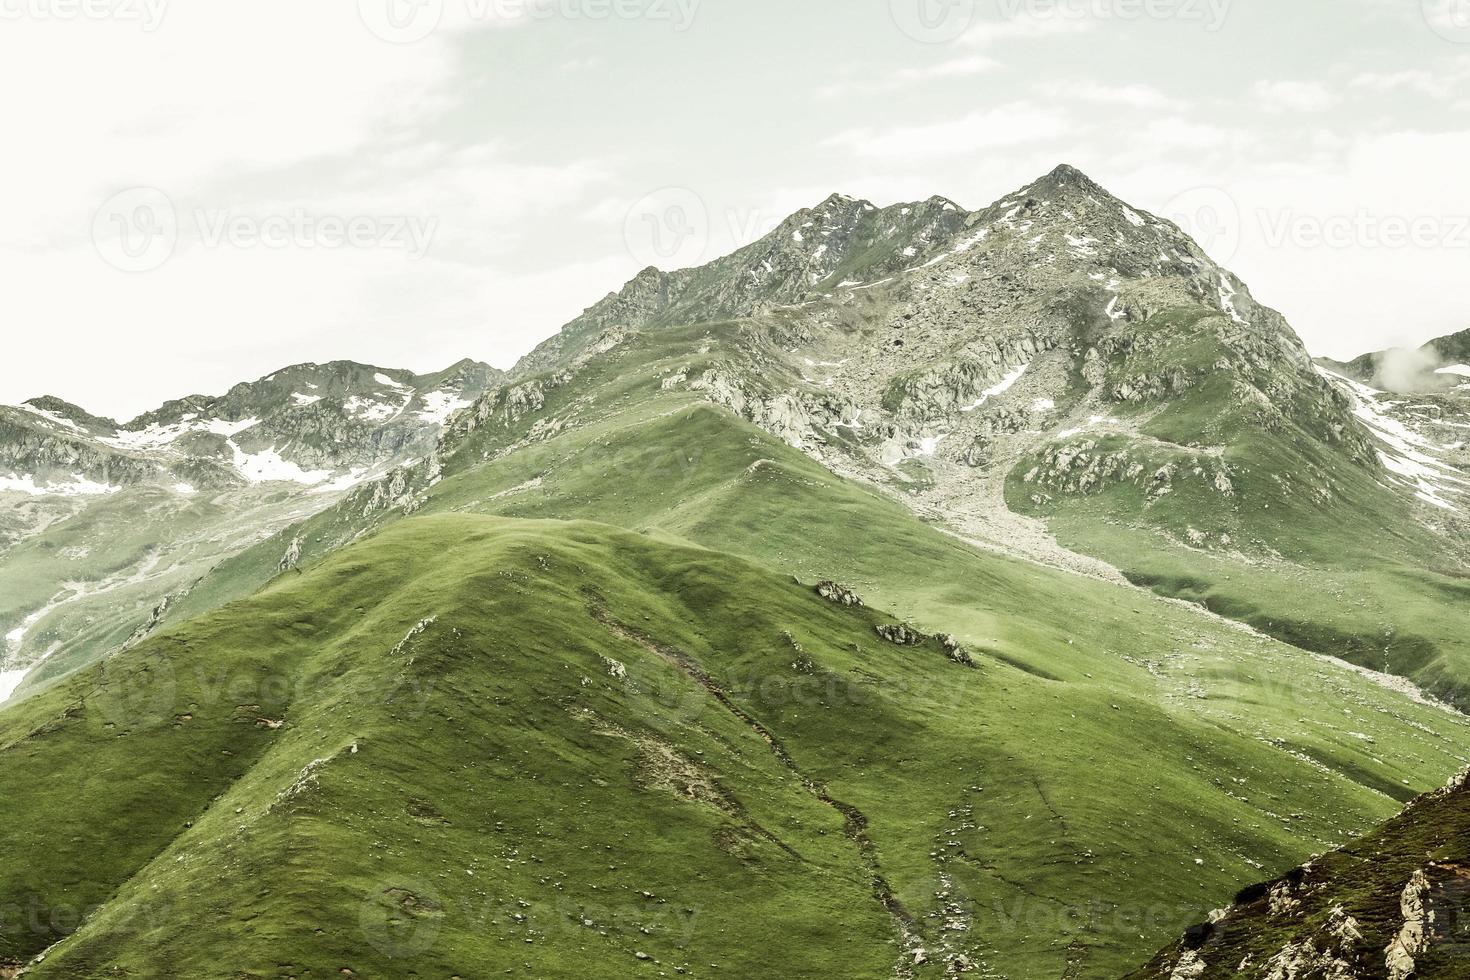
(1058, 332)
(836, 244)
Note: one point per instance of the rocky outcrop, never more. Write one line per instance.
(1373, 909)
(291, 560)
(840, 594)
(957, 653)
(1413, 936)
(901, 635)
(1084, 467)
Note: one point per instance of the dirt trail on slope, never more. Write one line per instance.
(854, 821)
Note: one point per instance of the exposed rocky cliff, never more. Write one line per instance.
(1393, 905)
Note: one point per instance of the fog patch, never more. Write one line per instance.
(1401, 369)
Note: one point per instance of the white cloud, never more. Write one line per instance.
(1441, 82)
(257, 111)
(1177, 132)
(1293, 96)
(1016, 124)
(1026, 26)
(906, 77)
(214, 88)
(1132, 96)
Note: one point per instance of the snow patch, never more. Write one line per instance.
(439, 405)
(369, 409)
(1000, 388)
(9, 681)
(53, 417)
(1404, 452)
(78, 486)
(344, 482)
(268, 466)
(158, 436)
(1227, 300)
(929, 444)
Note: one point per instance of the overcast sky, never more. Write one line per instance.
(201, 191)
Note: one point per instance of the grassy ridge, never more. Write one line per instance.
(495, 736)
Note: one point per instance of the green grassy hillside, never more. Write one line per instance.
(1113, 768)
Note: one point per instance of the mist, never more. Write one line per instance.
(1404, 369)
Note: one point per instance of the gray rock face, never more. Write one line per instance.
(957, 653)
(815, 251)
(839, 594)
(901, 635)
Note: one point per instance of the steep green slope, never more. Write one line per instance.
(371, 766)
(415, 760)
(1394, 904)
(1114, 739)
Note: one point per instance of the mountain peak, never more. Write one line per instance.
(58, 409)
(1065, 171)
(1065, 180)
